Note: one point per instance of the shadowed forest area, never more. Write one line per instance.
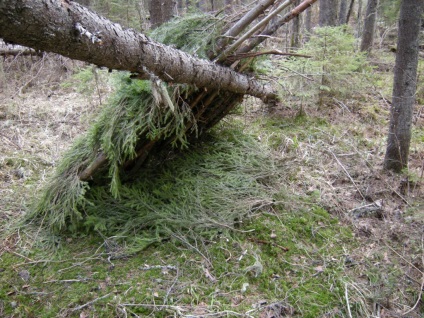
(282, 208)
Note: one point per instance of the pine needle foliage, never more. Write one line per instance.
(62, 200)
(195, 33)
(213, 186)
(132, 112)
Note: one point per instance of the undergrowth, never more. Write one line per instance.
(335, 69)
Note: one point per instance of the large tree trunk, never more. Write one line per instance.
(308, 24)
(369, 26)
(295, 32)
(405, 84)
(66, 28)
(342, 12)
(328, 13)
(349, 12)
(161, 11)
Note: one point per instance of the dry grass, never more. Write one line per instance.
(39, 121)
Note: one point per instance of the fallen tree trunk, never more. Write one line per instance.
(67, 28)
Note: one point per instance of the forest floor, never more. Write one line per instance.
(343, 238)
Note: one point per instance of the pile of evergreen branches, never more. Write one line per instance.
(214, 185)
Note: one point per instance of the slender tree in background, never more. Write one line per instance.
(161, 11)
(369, 26)
(349, 12)
(404, 88)
(308, 23)
(359, 19)
(229, 7)
(295, 34)
(327, 12)
(342, 12)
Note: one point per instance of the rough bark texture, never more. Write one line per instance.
(369, 25)
(71, 30)
(328, 13)
(404, 88)
(295, 34)
(308, 23)
(342, 12)
(161, 11)
(349, 12)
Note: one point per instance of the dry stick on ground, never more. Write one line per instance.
(17, 52)
(90, 302)
(347, 301)
(422, 281)
(348, 175)
(270, 52)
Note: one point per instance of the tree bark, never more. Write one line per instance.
(369, 26)
(161, 11)
(308, 24)
(66, 28)
(405, 84)
(328, 13)
(342, 12)
(359, 20)
(349, 12)
(295, 34)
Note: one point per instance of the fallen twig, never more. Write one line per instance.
(90, 302)
(422, 282)
(269, 52)
(347, 173)
(252, 239)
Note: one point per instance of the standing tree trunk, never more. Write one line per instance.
(180, 7)
(342, 12)
(160, 11)
(349, 12)
(229, 6)
(295, 34)
(327, 13)
(74, 31)
(369, 26)
(308, 24)
(404, 88)
(359, 20)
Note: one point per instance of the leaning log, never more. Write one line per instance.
(69, 29)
